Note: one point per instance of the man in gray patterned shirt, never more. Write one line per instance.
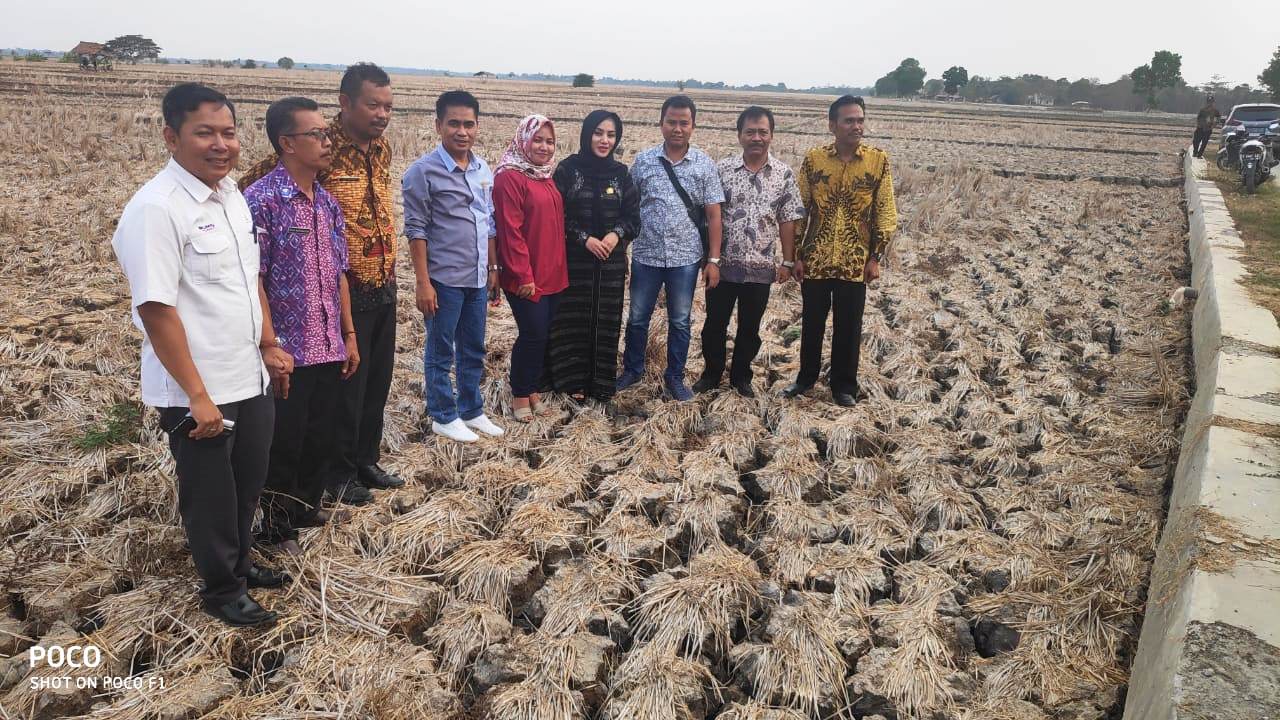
(761, 205)
(668, 251)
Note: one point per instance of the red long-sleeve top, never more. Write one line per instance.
(530, 218)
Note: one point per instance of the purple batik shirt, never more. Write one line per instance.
(303, 253)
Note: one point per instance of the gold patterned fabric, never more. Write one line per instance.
(850, 211)
(361, 182)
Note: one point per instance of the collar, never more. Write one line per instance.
(194, 186)
(740, 162)
(340, 139)
(857, 153)
(284, 184)
(450, 164)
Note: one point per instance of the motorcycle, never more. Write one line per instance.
(1229, 147)
(1257, 157)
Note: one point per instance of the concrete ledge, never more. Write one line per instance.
(1210, 643)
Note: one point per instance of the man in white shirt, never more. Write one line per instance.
(187, 246)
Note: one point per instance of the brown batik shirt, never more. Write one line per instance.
(850, 213)
(361, 183)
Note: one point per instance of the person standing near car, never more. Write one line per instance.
(1206, 120)
(186, 244)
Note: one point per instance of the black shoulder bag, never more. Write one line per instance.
(697, 213)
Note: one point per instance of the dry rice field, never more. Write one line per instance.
(974, 541)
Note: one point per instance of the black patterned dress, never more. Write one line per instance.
(583, 346)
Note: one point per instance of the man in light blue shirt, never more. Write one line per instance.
(669, 250)
(448, 219)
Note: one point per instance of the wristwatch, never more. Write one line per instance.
(495, 268)
(788, 264)
(714, 261)
(273, 342)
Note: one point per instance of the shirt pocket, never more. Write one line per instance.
(209, 257)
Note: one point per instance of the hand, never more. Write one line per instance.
(526, 291)
(425, 294)
(280, 387)
(278, 361)
(495, 293)
(797, 272)
(784, 273)
(207, 416)
(352, 362)
(610, 241)
(598, 248)
(871, 271)
(711, 275)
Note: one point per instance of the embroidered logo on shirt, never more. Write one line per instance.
(206, 227)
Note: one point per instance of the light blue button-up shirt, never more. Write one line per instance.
(668, 238)
(452, 210)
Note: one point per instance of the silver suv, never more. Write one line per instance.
(1255, 117)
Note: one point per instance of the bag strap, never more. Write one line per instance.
(684, 196)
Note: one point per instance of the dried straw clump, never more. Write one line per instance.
(344, 592)
(462, 632)
(655, 683)
(801, 665)
(422, 537)
(497, 573)
(356, 676)
(756, 710)
(696, 609)
(546, 530)
(585, 594)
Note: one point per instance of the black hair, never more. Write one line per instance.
(676, 102)
(754, 112)
(357, 75)
(456, 98)
(188, 97)
(843, 100)
(280, 117)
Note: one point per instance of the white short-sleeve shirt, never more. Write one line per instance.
(185, 245)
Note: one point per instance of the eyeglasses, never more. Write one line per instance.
(319, 135)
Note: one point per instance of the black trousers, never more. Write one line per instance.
(533, 319)
(364, 395)
(751, 298)
(219, 481)
(1200, 141)
(845, 301)
(302, 451)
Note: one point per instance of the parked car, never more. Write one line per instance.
(1254, 117)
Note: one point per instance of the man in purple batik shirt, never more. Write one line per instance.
(299, 227)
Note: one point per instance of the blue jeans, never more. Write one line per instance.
(527, 355)
(455, 332)
(646, 280)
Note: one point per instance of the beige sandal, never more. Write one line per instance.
(539, 407)
(522, 414)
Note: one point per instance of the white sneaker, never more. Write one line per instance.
(455, 430)
(481, 423)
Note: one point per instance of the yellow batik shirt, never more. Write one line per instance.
(361, 183)
(850, 211)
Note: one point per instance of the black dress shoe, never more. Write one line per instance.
(261, 577)
(705, 384)
(743, 387)
(844, 399)
(795, 389)
(242, 612)
(351, 493)
(375, 477)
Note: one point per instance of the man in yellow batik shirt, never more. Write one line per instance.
(847, 191)
(359, 177)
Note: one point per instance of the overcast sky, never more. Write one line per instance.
(799, 42)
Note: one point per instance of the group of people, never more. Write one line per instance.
(268, 309)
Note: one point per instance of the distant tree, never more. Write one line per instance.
(68, 58)
(933, 87)
(285, 62)
(1270, 77)
(584, 80)
(887, 86)
(906, 79)
(680, 85)
(1162, 73)
(132, 48)
(249, 64)
(34, 56)
(955, 78)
